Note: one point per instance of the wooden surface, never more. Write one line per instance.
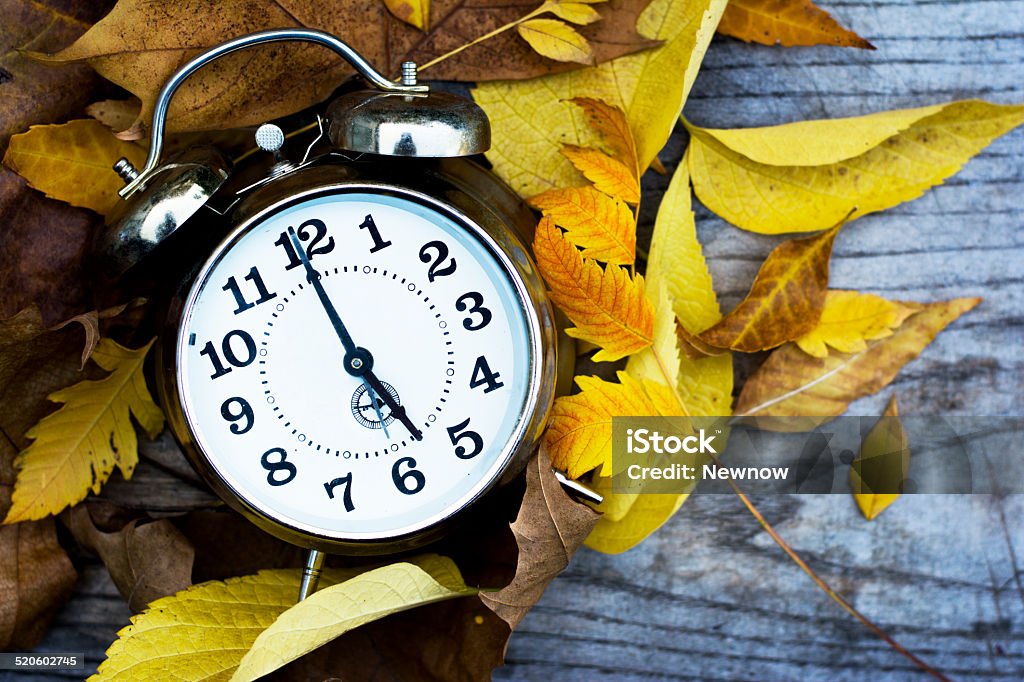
(710, 597)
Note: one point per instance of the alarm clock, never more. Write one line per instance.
(362, 348)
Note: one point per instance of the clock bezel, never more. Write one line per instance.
(507, 252)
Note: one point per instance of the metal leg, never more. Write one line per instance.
(577, 489)
(311, 573)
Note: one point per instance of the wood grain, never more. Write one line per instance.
(710, 597)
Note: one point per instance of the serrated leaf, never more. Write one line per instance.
(609, 122)
(608, 174)
(785, 301)
(786, 22)
(575, 12)
(851, 318)
(413, 12)
(72, 162)
(76, 448)
(650, 87)
(791, 383)
(778, 197)
(601, 225)
(556, 40)
(608, 306)
(659, 361)
(882, 464)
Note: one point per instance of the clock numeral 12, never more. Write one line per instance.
(378, 243)
(285, 242)
(236, 291)
(483, 376)
(346, 495)
(281, 465)
(219, 369)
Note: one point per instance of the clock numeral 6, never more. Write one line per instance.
(435, 269)
(321, 231)
(412, 481)
(228, 349)
(475, 305)
(483, 376)
(275, 468)
(475, 440)
(346, 495)
(244, 412)
(236, 291)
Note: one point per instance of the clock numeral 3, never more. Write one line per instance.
(244, 412)
(219, 369)
(412, 481)
(474, 438)
(346, 495)
(275, 468)
(312, 250)
(436, 270)
(483, 376)
(236, 291)
(477, 308)
(378, 243)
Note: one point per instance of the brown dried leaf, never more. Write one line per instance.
(786, 22)
(36, 578)
(785, 300)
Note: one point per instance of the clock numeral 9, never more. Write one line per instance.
(483, 376)
(435, 270)
(378, 243)
(346, 495)
(236, 291)
(275, 468)
(321, 231)
(219, 369)
(477, 307)
(412, 481)
(244, 412)
(474, 438)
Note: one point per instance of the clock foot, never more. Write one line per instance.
(311, 573)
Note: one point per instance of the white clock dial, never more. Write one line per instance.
(446, 353)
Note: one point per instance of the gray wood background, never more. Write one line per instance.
(710, 597)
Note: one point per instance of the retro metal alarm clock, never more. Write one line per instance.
(364, 348)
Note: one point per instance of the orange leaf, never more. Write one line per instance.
(608, 307)
(785, 301)
(608, 174)
(610, 123)
(786, 22)
(599, 224)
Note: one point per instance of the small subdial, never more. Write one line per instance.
(414, 357)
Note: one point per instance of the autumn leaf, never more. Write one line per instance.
(791, 383)
(882, 464)
(785, 301)
(599, 224)
(647, 513)
(413, 12)
(72, 162)
(580, 13)
(76, 448)
(556, 40)
(849, 319)
(765, 181)
(650, 87)
(608, 174)
(786, 22)
(610, 124)
(608, 307)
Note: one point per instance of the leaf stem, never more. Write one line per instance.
(501, 29)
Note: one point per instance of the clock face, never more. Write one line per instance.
(369, 385)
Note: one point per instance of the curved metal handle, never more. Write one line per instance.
(363, 67)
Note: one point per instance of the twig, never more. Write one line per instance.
(544, 8)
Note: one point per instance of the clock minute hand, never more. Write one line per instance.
(332, 313)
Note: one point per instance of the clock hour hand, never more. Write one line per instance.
(397, 410)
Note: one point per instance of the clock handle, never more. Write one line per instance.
(135, 179)
(311, 573)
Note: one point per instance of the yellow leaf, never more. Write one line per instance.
(333, 611)
(73, 162)
(413, 12)
(608, 174)
(786, 22)
(659, 361)
(608, 307)
(610, 123)
(791, 383)
(778, 198)
(76, 448)
(882, 464)
(530, 119)
(599, 224)
(556, 40)
(785, 301)
(579, 433)
(615, 505)
(576, 12)
(850, 318)
(647, 513)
